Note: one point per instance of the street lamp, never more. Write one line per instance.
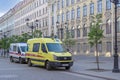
(66, 27)
(116, 65)
(32, 26)
(61, 29)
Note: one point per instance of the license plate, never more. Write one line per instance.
(65, 65)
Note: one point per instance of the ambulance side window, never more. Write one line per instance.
(36, 47)
(14, 48)
(44, 48)
(19, 50)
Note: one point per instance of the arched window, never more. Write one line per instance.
(84, 30)
(118, 25)
(108, 27)
(78, 31)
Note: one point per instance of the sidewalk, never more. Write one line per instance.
(84, 65)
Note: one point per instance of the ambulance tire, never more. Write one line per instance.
(20, 60)
(11, 59)
(47, 65)
(29, 63)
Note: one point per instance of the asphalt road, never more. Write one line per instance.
(16, 71)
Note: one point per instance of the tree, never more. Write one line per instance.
(68, 41)
(95, 35)
(37, 33)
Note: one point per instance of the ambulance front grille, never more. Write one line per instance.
(64, 58)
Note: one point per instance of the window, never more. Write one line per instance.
(118, 25)
(108, 5)
(84, 47)
(84, 30)
(109, 47)
(78, 31)
(99, 46)
(52, 7)
(36, 47)
(92, 49)
(39, 23)
(52, 20)
(78, 0)
(78, 47)
(58, 5)
(43, 48)
(118, 45)
(58, 18)
(62, 3)
(72, 14)
(118, 4)
(108, 27)
(78, 12)
(84, 10)
(55, 47)
(14, 48)
(92, 8)
(99, 5)
(67, 2)
(72, 1)
(62, 17)
(67, 15)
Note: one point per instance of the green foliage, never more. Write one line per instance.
(68, 41)
(96, 34)
(5, 42)
(37, 33)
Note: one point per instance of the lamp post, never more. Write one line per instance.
(67, 32)
(61, 29)
(32, 26)
(116, 65)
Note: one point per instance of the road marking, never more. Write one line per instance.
(14, 69)
(8, 76)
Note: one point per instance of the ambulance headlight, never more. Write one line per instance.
(55, 57)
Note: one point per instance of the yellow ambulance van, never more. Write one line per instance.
(48, 52)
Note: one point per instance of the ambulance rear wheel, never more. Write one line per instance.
(20, 60)
(47, 65)
(11, 59)
(29, 63)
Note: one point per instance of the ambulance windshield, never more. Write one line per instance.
(23, 48)
(55, 47)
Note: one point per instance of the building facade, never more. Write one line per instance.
(7, 24)
(77, 14)
(55, 16)
(36, 11)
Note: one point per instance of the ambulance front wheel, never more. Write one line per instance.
(29, 63)
(47, 65)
